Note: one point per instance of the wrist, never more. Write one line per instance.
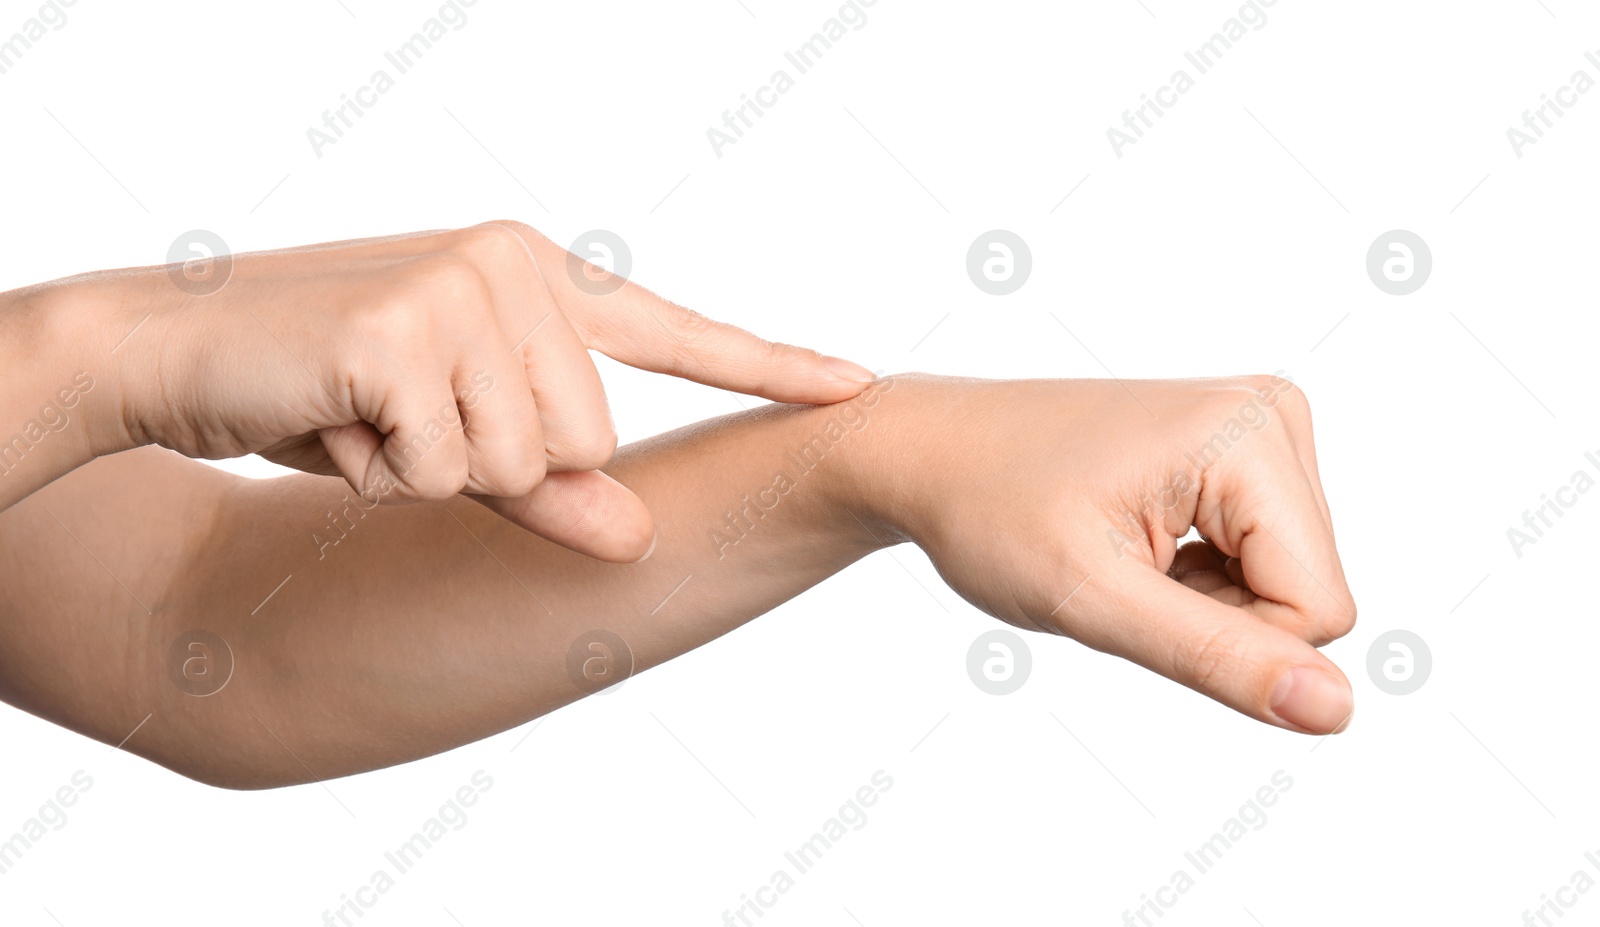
(877, 492)
(928, 436)
(44, 393)
(81, 332)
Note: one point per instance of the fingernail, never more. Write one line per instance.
(847, 370)
(653, 542)
(1311, 699)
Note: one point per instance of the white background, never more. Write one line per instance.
(1231, 239)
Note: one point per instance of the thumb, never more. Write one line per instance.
(582, 510)
(1253, 667)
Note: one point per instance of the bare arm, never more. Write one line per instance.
(416, 366)
(401, 631)
(1052, 504)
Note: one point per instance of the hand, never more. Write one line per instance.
(1056, 505)
(424, 365)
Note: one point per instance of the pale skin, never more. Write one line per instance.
(446, 612)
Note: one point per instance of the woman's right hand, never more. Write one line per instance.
(419, 366)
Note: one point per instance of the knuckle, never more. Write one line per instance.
(520, 481)
(773, 362)
(777, 352)
(686, 323)
(522, 229)
(1342, 620)
(1294, 399)
(491, 246)
(436, 486)
(435, 478)
(516, 472)
(589, 450)
(1262, 383)
(423, 292)
(1332, 619)
(455, 279)
(533, 248)
(397, 314)
(1285, 395)
(532, 472)
(598, 447)
(687, 333)
(1318, 631)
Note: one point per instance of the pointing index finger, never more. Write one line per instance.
(631, 324)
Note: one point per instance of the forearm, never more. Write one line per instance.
(366, 636)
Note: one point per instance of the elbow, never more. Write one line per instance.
(241, 756)
(231, 771)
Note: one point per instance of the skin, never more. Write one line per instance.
(415, 366)
(1054, 505)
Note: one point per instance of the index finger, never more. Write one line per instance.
(1266, 513)
(629, 323)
